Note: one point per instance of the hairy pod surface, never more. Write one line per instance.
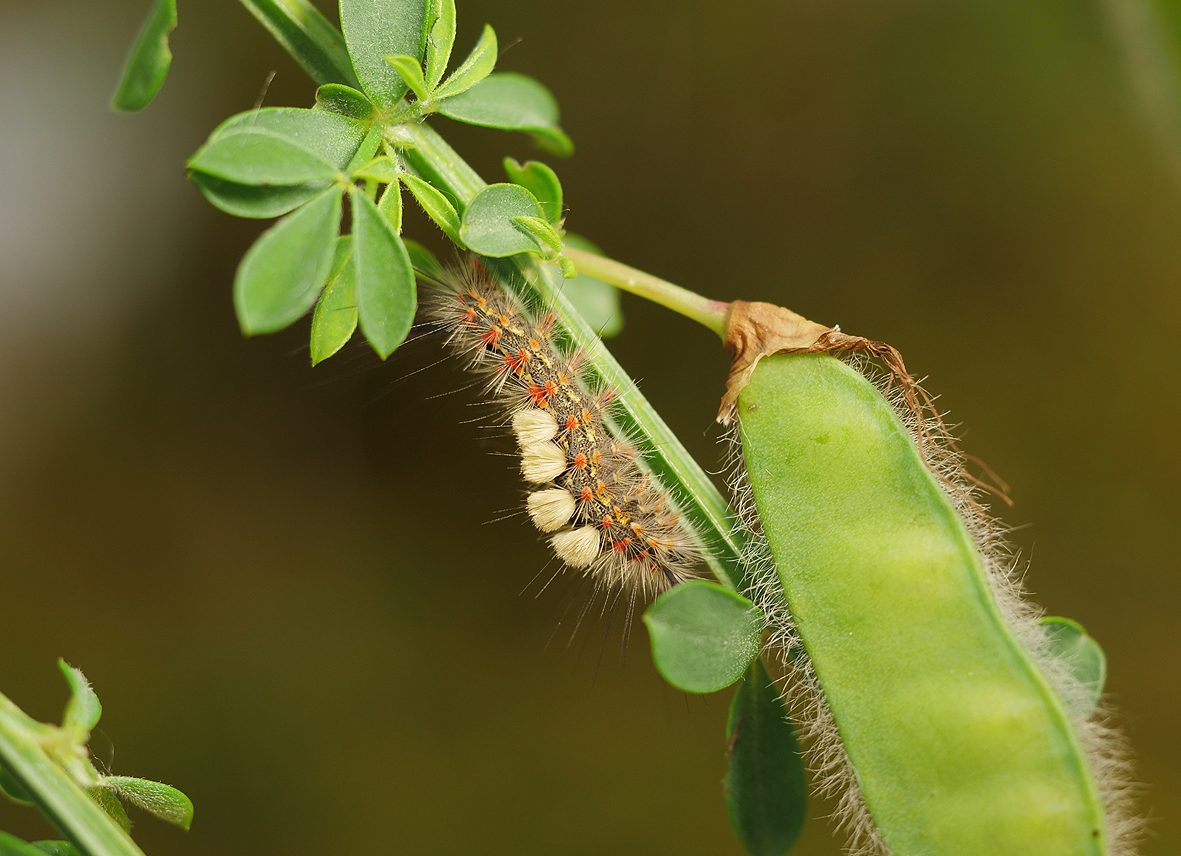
(958, 741)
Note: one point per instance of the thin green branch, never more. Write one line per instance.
(709, 313)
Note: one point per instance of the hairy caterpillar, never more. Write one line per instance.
(604, 514)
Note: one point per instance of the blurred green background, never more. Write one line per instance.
(283, 581)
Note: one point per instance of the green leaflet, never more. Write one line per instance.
(260, 158)
(148, 60)
(308, 36)
(1082, 656)
(765, 787)
(511, 102)
(375, 29)
(163, 801)
(440, 40)
(539, 180)
(385, 285)
(488, 226)
(335, 317)
(704, 636)
(959, 743)
(476, 67)
(280, 276)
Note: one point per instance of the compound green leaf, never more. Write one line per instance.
(765, 788)
(308, 36)
(83, 710)
(440, 40)
(148, 61)
(539, 180)
(704, 635)
(595, 300)
(163, 801)
(385, 286)
(488, 225)
(437, 206)
(335, 317)
(375, 29)
(348, 102)
(1082, 656)
(260, 158)
(511, 102)
(280, 276)
(476, 67)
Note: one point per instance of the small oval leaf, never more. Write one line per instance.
(440, 40)
(765, 787)
(280, 276)
(476, 67)
(332, 136)
(335, 317)
(375, 29)
(704, 635)
(488, 226)
(410, 70)
(437, 206)
(1082, 656)
(260, 158)
(164, 801)
(345, 101)
(390, 204)
(539, 180)
(542, 232)
(382, 170)
(148, 60)
(259, 203)
(83, 710)
(385, 286)
(511, 102)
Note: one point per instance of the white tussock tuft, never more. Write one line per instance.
(578, 548)
(542, 462)
(534, 426)
(550, 509)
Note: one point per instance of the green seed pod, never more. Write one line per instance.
(940, 709)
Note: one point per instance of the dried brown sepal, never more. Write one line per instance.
(757, 330)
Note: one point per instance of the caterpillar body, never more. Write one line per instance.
(605, 515)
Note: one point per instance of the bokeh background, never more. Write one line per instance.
(284, 582)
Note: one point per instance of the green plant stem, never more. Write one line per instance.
(709, 313)
(67, 805)
(698, 498)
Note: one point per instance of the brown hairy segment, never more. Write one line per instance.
(607, 516)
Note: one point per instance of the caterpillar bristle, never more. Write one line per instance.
(607, 517)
